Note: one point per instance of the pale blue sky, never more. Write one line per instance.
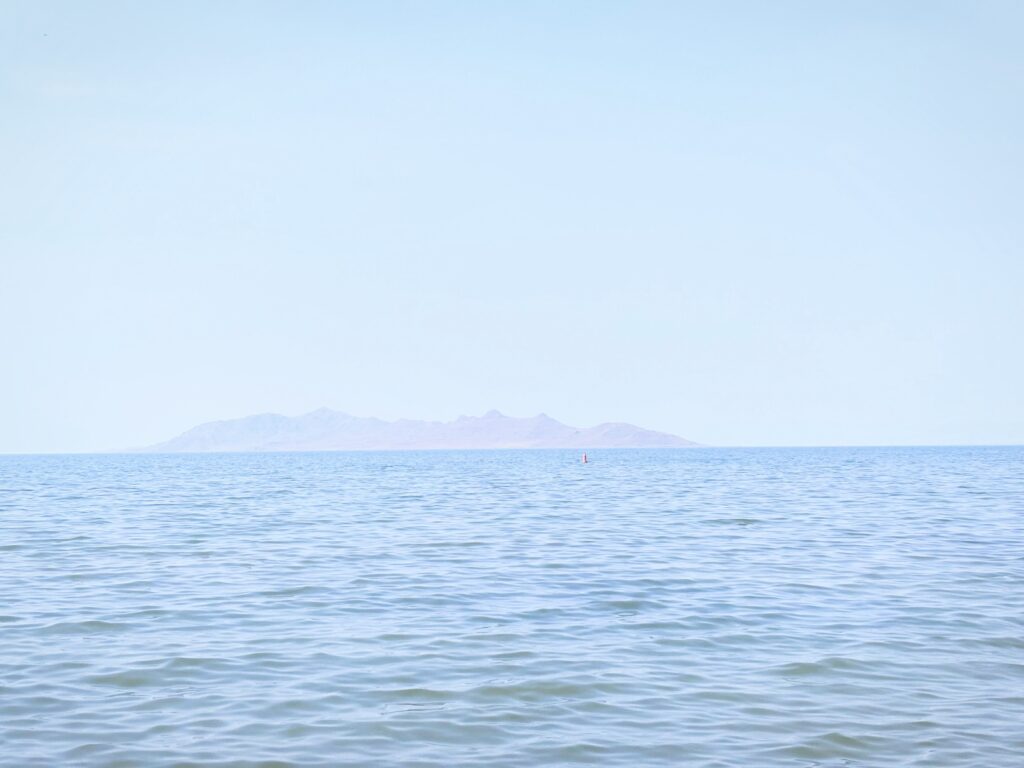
(748, 223)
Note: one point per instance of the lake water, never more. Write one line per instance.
(708, 607)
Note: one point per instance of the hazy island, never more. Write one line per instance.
(327, 430)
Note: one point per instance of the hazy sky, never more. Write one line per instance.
(748, 223)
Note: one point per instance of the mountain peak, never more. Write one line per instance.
(325, 411)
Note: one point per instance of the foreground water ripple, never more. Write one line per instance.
(816, 607)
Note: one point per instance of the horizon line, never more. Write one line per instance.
(697, 446)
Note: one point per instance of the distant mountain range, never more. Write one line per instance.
(327, 430)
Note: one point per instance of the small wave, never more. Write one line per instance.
(85, 627)
(129, 679)
(825, 666)
(741, 521)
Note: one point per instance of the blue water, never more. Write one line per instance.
(815, 607)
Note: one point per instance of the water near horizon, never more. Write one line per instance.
(710, 607)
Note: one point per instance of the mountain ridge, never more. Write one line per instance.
(328, 430)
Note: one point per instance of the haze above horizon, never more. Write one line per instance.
(742, 223)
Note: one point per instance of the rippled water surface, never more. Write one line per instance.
(833, 607)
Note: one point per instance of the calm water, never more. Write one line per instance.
(834, 607)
